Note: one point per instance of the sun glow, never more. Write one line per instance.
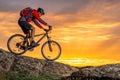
(88, 62)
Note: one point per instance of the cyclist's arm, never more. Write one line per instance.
(42, 21)
(37, 24)
(36, 15)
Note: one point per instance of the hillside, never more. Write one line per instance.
(105, 72)
(33, 67)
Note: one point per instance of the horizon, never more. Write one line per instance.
(88, 32)
(78, 62)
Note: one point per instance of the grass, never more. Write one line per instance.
(25, 76)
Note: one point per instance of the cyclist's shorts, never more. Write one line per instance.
(25, 26)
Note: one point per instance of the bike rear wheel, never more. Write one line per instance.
(51, 50)
(15, 44)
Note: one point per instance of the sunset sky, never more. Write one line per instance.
(87, 30)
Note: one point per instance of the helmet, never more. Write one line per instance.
(41, 11)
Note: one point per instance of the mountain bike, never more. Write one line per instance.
(19, 44)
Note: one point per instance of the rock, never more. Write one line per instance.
(32, 66)
(6, 61)
(58, 68)
(28, 65)
(109, 71)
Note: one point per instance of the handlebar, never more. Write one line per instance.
(50, 28)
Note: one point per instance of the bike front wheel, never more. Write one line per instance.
(51, 50)
(15, 43)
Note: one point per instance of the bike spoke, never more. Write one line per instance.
(15, 43)
(51, 50)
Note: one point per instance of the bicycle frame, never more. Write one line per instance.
(44, 35)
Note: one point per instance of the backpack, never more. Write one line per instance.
(25, 11)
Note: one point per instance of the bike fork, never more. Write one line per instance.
(50, 47)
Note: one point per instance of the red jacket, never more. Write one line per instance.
(35, 17)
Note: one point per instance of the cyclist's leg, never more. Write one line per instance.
(27, 28)
(31, 36)
(25, 31)
(32, 33)
(22, 25)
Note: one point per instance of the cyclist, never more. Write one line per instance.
(28, 15)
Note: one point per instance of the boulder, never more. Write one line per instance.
(32, 66)
(105, 71)
(6, 61)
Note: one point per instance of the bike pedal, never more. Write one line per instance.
(23, 47)
(35, 45)
(31, 48)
